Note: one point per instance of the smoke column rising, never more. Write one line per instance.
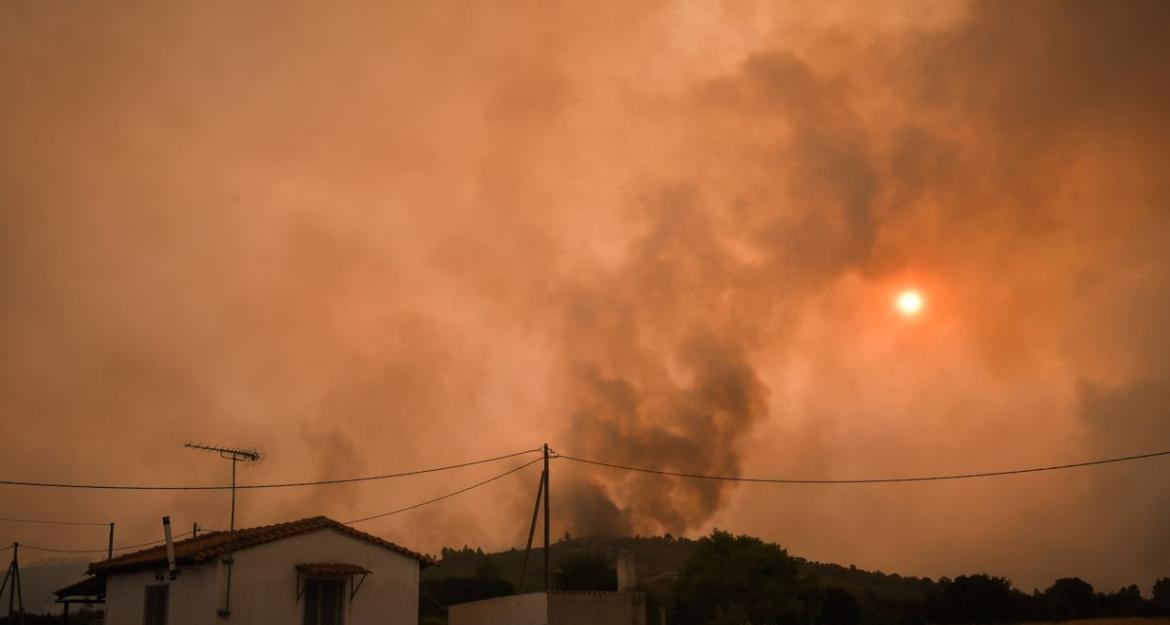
(373, 237)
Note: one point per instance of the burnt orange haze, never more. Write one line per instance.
(368, 237)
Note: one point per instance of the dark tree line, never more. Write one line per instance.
(740, 579)
(987, 599)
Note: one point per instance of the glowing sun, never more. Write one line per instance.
(909, 303)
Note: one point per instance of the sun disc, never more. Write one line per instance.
(909, 303)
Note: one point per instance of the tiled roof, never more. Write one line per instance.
(314, 568)
(212, 545)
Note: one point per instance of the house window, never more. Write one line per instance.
(155, 612)
(323, 601)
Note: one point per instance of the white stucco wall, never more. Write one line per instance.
(528, 609)
(264, 585)
(602, 608)
(126, 597)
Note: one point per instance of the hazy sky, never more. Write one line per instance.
(373, 236)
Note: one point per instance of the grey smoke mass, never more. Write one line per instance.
(371, 237)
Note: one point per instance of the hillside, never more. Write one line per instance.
(656, 560)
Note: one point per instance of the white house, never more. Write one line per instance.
(313, 571)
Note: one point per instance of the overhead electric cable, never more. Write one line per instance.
(152, 543)
(367, 478)
(103, 550)
(881, 480)
(45, 522)
(54, 550)
(448, 495)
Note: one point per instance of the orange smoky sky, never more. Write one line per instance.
(373, 236)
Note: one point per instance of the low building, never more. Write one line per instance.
(555, 608)
(314, 571)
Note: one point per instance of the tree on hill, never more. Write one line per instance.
(978, 598)
(1071, 598)
(585, 571)
(840, 607)
(1160, 601)
(1127, 601)
(741, 579)
(488, 568)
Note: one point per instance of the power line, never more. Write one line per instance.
(394, 475)
(882, 480)
(45, 522)
(367, 478)
(54, 550)
(121, 548)
(446, 496)
(153, 542)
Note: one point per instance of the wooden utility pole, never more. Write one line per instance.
(531, 531)
(15, 589)
(547, 569)
(110, 547)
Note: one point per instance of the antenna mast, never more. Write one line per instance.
(236, 456)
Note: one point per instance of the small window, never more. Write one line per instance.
(156, 605)
(323, 601)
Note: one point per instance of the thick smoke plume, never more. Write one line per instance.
(372, 237)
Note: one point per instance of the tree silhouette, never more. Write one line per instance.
(840, 608)
(738, 579)
(585, 571)
(1161, 598)
(1071, 597)
(978, 598)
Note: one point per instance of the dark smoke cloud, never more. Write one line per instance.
(382, 237)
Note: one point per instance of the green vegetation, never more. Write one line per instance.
(723, 579)
(585, 572)
(741, 579)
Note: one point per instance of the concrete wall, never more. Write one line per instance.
(529, 609)
(264, 585)
(597, 608)
(569, 608)
(126, 597)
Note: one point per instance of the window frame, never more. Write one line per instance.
(341, 597)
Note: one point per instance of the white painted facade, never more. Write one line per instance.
(526, 609)
(264, 585)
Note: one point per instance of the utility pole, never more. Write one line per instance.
(110, 548)
(547, 586)
(531, 531)
(12, 583)
(236, 456)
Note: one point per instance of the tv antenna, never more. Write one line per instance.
(236, 456)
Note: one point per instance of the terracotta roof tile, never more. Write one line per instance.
(215, 544)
